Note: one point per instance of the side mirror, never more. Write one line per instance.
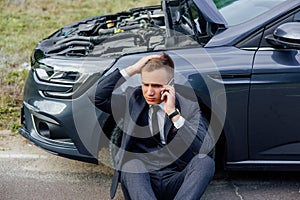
(286, 36)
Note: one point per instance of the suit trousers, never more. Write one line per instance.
(168, 183)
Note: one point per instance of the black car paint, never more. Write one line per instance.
(260, 85)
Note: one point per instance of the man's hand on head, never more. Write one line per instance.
(136, 68)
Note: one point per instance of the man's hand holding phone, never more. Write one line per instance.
(168, 96)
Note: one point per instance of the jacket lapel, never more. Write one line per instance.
(136, 107)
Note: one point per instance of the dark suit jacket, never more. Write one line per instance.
(183, 143)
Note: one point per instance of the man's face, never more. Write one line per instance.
(152, 82)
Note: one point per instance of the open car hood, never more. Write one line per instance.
(137, 30)
(210, 12)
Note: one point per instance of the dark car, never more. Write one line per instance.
(239, 60)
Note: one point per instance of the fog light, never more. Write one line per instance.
(44, 129)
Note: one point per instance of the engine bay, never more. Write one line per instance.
(109, 35)
(136, 30)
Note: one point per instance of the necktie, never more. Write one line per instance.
(154, 120)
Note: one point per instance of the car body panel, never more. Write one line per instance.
(244, 84)
(275, 92)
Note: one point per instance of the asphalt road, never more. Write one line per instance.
(27, 172)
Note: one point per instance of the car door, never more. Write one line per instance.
(274, 111)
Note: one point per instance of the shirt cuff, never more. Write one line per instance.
(124, 74)
(179, 123)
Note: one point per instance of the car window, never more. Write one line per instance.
(239, 11)
(297, 17)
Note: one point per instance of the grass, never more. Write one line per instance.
(11, 84)
(23, 23)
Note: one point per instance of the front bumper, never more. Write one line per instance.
(65, 127)
(67, 150)
(37, 129)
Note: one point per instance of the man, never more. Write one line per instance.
(160, 153)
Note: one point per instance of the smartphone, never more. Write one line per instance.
(171, 82)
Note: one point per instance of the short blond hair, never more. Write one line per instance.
(164, 62)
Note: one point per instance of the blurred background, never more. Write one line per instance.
(23, 23)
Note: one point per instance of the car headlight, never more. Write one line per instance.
(49, 74)
(68, 78)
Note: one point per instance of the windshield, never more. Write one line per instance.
(239, 11)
